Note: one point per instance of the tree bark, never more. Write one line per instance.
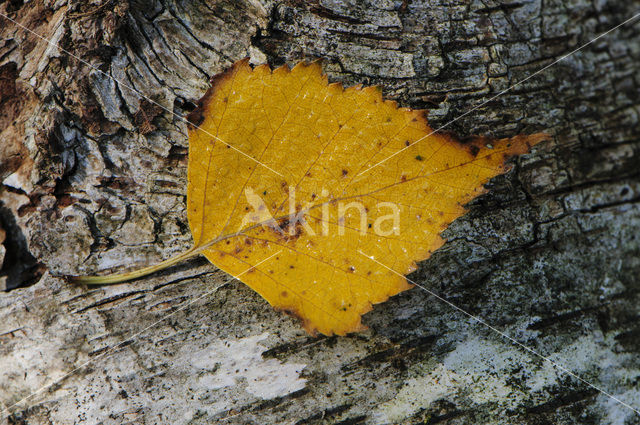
(94, 179)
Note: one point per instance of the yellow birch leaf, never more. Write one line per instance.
(284, 164)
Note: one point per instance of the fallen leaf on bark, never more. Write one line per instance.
(286, 167)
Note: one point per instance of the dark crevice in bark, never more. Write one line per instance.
(20, 268)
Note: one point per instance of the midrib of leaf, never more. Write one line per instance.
(203, 246)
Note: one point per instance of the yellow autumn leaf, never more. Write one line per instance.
(286, 167)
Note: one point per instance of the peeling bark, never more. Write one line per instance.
(94, 176)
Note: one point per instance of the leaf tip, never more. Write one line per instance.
(522, 143)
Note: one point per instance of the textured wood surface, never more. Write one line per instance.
(93, 178)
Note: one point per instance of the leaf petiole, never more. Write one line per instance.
(123, 277)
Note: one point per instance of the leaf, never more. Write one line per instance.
(286, 167)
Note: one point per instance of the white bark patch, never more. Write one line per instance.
(480, 371)
(239, 360)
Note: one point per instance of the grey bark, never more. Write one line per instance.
(93, 179)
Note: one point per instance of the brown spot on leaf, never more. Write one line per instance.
(293, 312)
(287, 230)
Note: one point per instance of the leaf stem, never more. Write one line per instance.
(123, 277)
